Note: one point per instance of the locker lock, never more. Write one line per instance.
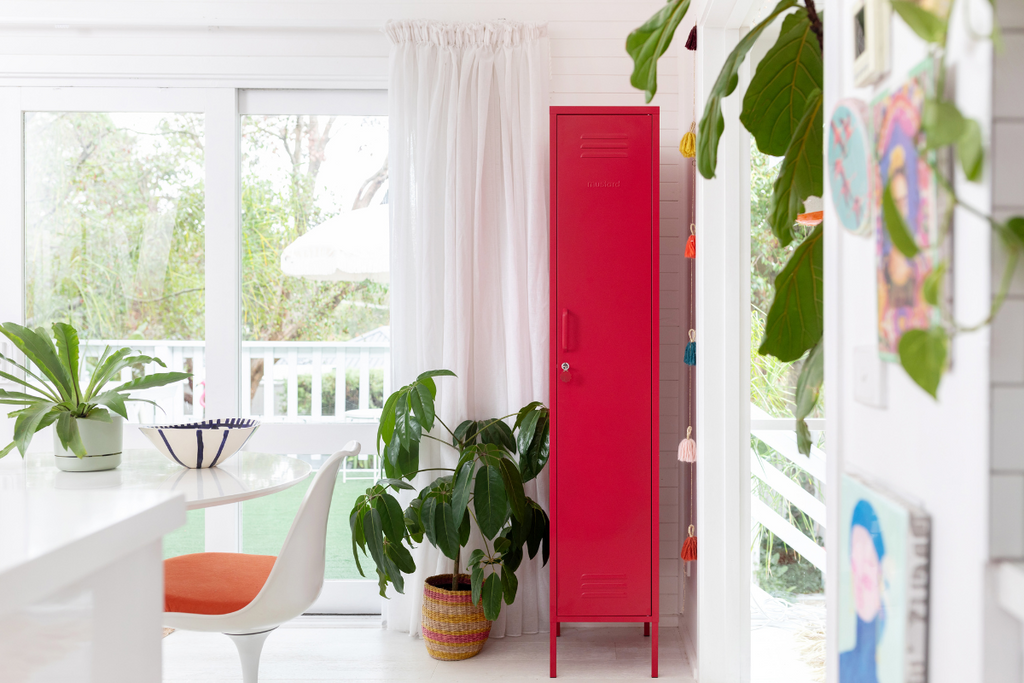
(566, 375)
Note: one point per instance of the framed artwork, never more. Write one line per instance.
(871, 28)
(896, 124)
(884, 556)
(851, 173)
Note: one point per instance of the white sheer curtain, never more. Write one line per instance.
(468, 107)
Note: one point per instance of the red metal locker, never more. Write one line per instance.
(604, 376)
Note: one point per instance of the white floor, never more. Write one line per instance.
(351, 649)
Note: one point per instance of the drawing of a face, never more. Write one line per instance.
(867, 573)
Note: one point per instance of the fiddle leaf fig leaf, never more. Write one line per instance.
(971, 151)
(712, 123)
(925, 24)
(894, 224)
(795, 319)
(923, 355)
(785, 79)
(808, 389)
(942, 122)
(801, 174)
(647, 43)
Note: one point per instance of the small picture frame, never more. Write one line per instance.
(871, 29)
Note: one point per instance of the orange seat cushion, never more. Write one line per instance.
(214, 583)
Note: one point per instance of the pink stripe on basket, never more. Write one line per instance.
(449, 598)
(453, 638)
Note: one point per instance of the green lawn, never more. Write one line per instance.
(266, 520)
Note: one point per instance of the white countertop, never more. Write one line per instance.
(51, 539)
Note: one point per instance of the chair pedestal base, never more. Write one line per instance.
(249, 645)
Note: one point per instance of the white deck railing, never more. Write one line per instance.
(277, 395)
(778, 434)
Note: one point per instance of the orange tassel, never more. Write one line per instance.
(691, 244)
(689, 553)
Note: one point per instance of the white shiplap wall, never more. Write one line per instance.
(338, 43)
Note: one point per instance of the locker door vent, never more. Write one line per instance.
(605, 145)
(603, 585)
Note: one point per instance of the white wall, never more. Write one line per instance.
(933, 452)
(338, 43)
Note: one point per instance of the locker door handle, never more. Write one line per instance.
(565, 329)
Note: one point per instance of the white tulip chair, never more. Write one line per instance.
(248, 596)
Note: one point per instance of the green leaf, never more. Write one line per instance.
(386, 426)
(396, 484)
(391, 516)
(490, 501)
(801, 172)
(509, 585)
(67, 432)
(971, 151)
(925, 24)
(647, 43)
(464, 529)
(447, 531)
(785, 78)
(401, 557)
(942, 122)
(525, 411)
(492, 597)
(923, 355)
(67, 351)
(894, 224)
(394, 574)
(413, 523)
(795, 319)
(40, 350)
(407, 427)
(931, 288)
(435, 373)
(476, 557)
(712, 123)
(808, 389)
(114, 401)
(1015, 226)
(409, 459)
(44, 390)
(423, 406)
(373, 532)
(27, 424)
(513, 487)
(157, 379)
(460, 437)
(355, 522)
(7, 449)
(428, 516)
(463, 487)
(476, 580)
(539, 533)
(527, 429)
(99, 414)
(500, 434)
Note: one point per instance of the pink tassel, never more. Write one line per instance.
(688, 448)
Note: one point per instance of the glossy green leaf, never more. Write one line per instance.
(386, 427)
(897, 228)
(923, 355)
(28, 423)
(423, 405)
(925, 24)
(647, 43)
(428, 516)
(476, 580)
(401, 557)
(942, 122)
(397, 484)
(435, 373)
(463, 489)
(525, 411)
(67, 350)
(786, 77)
(489, 501)
(406, 426)
(373, 532)
(491, 594)
(931, 288)
(447, 531)
(413, 523)
(1015, 226)
(527, 429)
(712, 123)
(509, 585)
(391, 516)
(409, 459)
(394, 574)
(67, 432)
(808, 390)
(796, 319)
(464, 529)
(40, 350)
(463, 432)
(500, 434)
(513, 487)
(801, 173)
(971, 150)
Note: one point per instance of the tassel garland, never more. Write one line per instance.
(689, 553)
(691, 40)
(690, 356)
(688, 448)
(688, 145)
(691, 244)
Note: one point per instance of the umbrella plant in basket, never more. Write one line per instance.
(483, 490)
(57, 392)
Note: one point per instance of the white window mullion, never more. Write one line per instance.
(12, 256)
(223, 288)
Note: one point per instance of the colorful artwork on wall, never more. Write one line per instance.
(851, 173)
(884, 555)
(896, 122)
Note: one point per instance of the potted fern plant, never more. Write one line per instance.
(89, 419)
(484, 490)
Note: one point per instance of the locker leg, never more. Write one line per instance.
(558, 629)
(654, 650)
(647, 629)
(554, 649)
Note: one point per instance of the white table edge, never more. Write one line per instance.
(246, 495)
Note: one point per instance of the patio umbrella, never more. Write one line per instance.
(352, 247)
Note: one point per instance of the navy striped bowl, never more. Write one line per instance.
(201, 444)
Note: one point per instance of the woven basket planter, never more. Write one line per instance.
(453, 627)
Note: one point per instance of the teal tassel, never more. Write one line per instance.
(690, 356)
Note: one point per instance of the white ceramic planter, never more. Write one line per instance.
(103, 445)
